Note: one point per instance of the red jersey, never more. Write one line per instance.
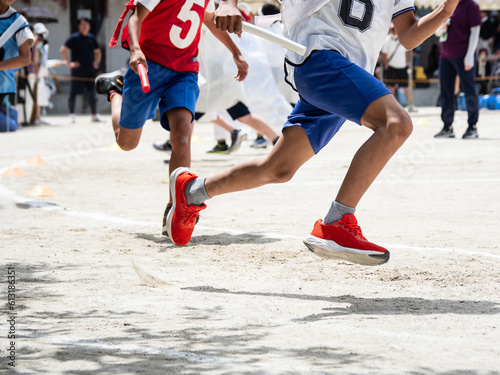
(170, 34)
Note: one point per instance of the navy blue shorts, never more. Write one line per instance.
(169, 89)
(236, 111)
(332, 89)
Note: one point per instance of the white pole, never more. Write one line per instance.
(274, 38)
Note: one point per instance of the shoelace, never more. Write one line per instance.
(189, 216)
(354, 229)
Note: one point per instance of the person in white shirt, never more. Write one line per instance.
(395, 58)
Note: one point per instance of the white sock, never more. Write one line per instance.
(337, 212)
(195, 192)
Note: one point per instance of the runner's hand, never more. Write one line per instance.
(228, 18)
(137, 57)
(242, 66)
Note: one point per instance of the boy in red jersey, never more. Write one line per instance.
(164, 37)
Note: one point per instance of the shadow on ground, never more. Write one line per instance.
(70, 339)
(221, 239)
(375, 306)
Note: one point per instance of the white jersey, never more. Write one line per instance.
(355, 28)
(219, 90)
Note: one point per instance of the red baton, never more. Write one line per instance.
(144, 77)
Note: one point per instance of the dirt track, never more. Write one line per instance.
(99, 290)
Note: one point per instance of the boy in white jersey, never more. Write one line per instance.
(334, 80)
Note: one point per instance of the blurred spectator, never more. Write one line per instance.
(276, 55)
(85, 60)
(483, 70)
(495, 69)
(395, 58)
(459, 38)
(40, 58)
(250, 101)
(490, 23)
(433, 61)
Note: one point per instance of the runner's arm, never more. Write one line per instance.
(224, 37)
(134, 33)
(23, 59)
(412, 32)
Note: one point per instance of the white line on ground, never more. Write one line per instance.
(128, 222)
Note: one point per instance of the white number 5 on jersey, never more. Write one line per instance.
(186, 14)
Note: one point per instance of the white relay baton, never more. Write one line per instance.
(274, 38)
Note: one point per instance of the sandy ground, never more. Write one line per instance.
(100, 291)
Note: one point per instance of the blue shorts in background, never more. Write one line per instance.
(332, 89)
(169, 89)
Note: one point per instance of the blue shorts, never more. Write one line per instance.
(169, 89)
(332, 89)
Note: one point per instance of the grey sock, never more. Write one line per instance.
(195, 192)
(337, 212)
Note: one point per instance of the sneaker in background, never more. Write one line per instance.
(220, 148)
(236, 138)
(344, 240)
(107, 82)
(260, 142)
(166, 146)
(470, 133)
(97, 118)
(181, 218)
(445, 133)
(72, 118)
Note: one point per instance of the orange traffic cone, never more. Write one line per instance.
(36, 160)
(40, 191)
(13, 172)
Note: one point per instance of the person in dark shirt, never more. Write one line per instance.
(85, 60)
(459, 39)
(489, 27)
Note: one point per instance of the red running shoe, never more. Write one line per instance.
(343, 240)
(181, 218)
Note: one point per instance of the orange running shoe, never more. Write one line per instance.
(181, 218)
(344, 240)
